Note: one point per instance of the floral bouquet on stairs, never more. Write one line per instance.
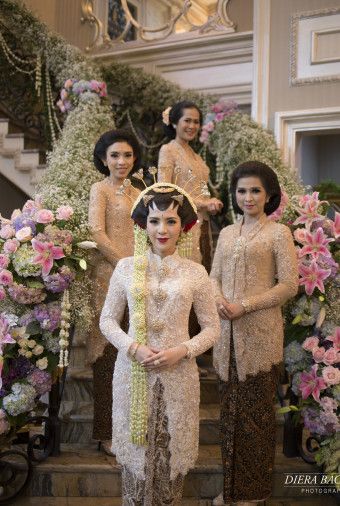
(37, 267)
(312, 355)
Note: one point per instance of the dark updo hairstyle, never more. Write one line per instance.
(175, 114)
(268, 179)
(109, 138)
(163, 201)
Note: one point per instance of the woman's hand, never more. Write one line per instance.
(229, 310)
(214, 206)
(222, 308)
(145, 352)
(235, 311)
(165, 358)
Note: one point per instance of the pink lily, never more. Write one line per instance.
(316, 244)
(47, 252)
(311, 383)
(5, 336)
(308, 214)
(336, 225)
(312, 276)
(335, 338)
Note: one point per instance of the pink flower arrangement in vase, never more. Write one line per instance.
(37, 266)
(74, 91)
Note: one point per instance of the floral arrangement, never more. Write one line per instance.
(218, 112)
(74, 91)
(313, 356)
(38, 264)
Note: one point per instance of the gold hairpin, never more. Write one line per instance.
(122, 189)
(153, 171)
(177, 171)
(146, 199)
(179, 199)
(140, 176)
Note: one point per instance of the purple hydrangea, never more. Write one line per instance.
(23, 221)
(18, 368)
(40, 380)
(60, 281)
(48, 315)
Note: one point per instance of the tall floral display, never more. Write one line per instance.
(38, 264)
(313, 355)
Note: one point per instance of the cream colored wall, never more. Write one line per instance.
(63, 16)
(282, 96)
(241, 12)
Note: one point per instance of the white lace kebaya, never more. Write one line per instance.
(173, 286)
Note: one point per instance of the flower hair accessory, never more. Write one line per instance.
(165, 116)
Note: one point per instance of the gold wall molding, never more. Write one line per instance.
(219, 21)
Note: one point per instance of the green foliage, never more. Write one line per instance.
(238, 139)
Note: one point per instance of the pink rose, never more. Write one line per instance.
(209, 127)
(31, 206)
(44, 216)
(2, 293)
(24, 234)
(310, 343)
(300, 235)
(68, 83)
(6, 277)
(63, 94)
(318, 354)
(6, 232)
(11, 245)
(4, 261)
(219, 116)
(331, 375)
(331, 357)
(64, 213)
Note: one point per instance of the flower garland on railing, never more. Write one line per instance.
(38, 265)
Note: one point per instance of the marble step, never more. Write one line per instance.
(82, 471)
(76, 427)
(82, 377)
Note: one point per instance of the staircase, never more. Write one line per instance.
(19, 164)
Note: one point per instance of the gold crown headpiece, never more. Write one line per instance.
(162, 187)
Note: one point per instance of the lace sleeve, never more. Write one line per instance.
(113, 310)
(287, 274)
(166, 164)
(216, 269)
(205, 309)
(97, 208)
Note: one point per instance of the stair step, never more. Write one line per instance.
(4, 126)
(12, 143)
(27, 159)
(82, 471)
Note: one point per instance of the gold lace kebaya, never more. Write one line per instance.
(181, 165)
(111, 227)
(258, 270)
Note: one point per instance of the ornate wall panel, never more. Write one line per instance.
(315, 46)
